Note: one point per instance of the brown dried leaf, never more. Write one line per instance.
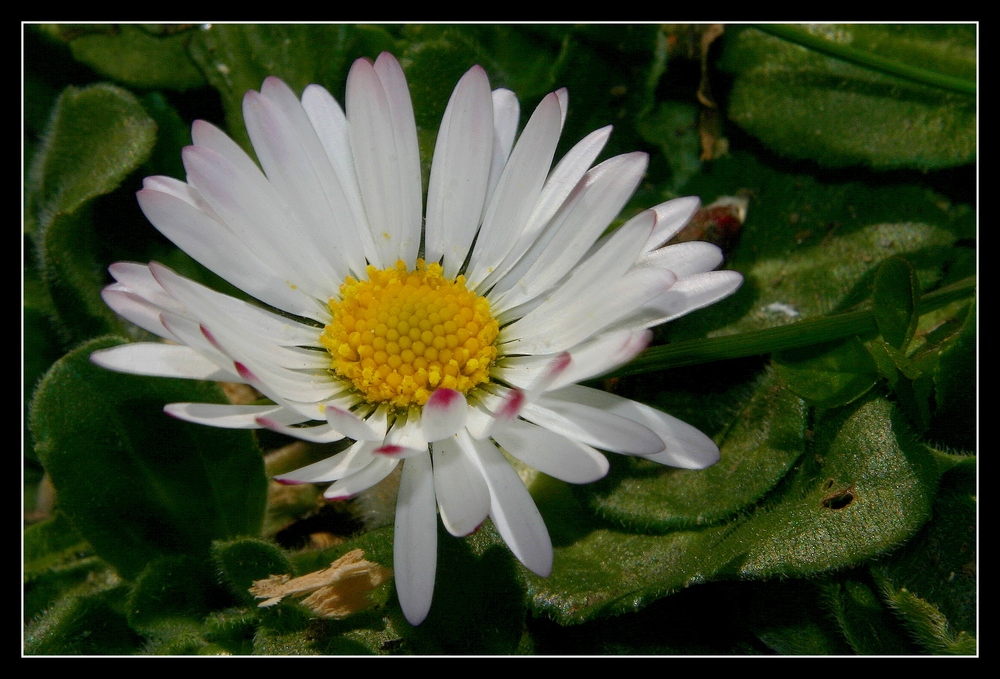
(334, 592)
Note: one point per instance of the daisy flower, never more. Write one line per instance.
(439, 338)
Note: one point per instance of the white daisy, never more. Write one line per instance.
(439, 348)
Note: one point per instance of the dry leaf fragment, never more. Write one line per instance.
(334, 592)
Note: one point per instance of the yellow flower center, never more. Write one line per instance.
(402, 334)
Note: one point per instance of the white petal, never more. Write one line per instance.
(504, 405)
(462, 495)
(379, 468)
(518, 189)
(460, 171)
(331, 127)
(592, 425)
(335, 467)
(671, 217)
(513, 511)
(161, 360)
(138, 279)
(208, 135)
(686, 295)
(506, 118)
(686, 446)
(221, 251)
(684, 259)
(231, 416)
(408, 434)
(602, 355)
(444, 414)
(135, 309)
(383, 138)
(479, 422)
(406, 438)
(322, 433)
(415, 539)
(595, 201)
(565, 176)
(349, 424)
(292, 157)
(559, 325)
(251, 207)
(588, 360)
(551, 453)
(226, 332)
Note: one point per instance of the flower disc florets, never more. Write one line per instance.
(402, 334)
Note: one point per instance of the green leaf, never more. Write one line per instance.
(805, 104)
(136, 483)
(927, 624)
(139, 56)
(931, 582)
(828, 375)
(171, 596)
(955, 381)
(895, 297)
(243, 560)
(92, 624)
(673, 126)
(58, 563)
(763, 438)
(868, 486)
(519, 57)
(910, 385)
(50, 542)
(868, 625)
(96, 137)
(811, 244)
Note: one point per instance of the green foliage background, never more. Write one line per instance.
(839, 382)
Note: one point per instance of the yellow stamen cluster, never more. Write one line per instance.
(402, 334)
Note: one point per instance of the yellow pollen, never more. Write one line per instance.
(402, 334)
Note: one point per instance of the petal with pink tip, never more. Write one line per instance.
(444, 414)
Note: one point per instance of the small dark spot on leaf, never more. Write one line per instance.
(839, 498)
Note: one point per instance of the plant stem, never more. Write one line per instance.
(800, 36)
(801, 334)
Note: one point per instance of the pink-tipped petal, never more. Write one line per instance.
(444, 414)
(511, 406)
(398, 452)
